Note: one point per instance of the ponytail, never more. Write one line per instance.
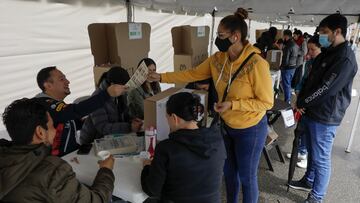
(185, 105)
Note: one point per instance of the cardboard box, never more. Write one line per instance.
(155, 110)
(110, 43)
(190, 47)
(274, 57)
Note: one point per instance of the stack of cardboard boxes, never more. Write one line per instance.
(110, 44)
(190, 47)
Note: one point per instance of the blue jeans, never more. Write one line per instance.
(244, 147)
(320, 139)
(286, 77)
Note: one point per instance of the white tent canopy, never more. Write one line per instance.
(39, 33)
(299, 12)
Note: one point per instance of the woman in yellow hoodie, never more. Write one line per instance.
(243, 110)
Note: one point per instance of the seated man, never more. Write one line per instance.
(113, 117)
(29, 173)
(66, 117)
(188, 166)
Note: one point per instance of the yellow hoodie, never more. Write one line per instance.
(251, 93)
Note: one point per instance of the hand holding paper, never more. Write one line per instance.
(139, 77)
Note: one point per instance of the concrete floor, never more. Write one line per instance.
(344, 185)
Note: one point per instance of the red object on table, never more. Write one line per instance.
(151, 147)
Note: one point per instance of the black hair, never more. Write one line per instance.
(307, 35)
(298, 32)
(43, 76)
(21, 118)
(315, 40)
(117, 75)
(273, 31)
(186, 106)
(280, 41)
(287, 33)
(101, 79)
(148, 62)
(236, 22)
(155, 86)
(335, 21)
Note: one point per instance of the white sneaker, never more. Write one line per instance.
(302, 164)
(300, 156)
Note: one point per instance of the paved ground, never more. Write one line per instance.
(345, 180)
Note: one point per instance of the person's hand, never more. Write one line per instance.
(116, 90)
(107, 163)
(154, 77)
(136, 124)
(222, 107)
(147, 162)
(300, 110)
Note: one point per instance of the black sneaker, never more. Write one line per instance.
(311, 199)
(301, 184)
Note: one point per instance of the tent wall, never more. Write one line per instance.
(36, 34)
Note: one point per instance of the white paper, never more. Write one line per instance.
(162, 126)
(135, 31)
(288, 117)
(201, 31)
(139, 77)
(273, 56)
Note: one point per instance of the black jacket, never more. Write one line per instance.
(187, 168)
(290, 54)
(326, 93)
(67, 117)
(111, 118)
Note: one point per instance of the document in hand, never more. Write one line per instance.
(139, 77)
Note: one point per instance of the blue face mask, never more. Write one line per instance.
(324, 40)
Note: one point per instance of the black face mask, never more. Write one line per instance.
(223, 44)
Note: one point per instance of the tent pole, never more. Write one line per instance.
(356, 39)
(348, 148)
(212, 30)
(249, 29)
(129, 11)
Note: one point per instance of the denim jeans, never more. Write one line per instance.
(286, 77)
(320, 139)
(244, 147)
